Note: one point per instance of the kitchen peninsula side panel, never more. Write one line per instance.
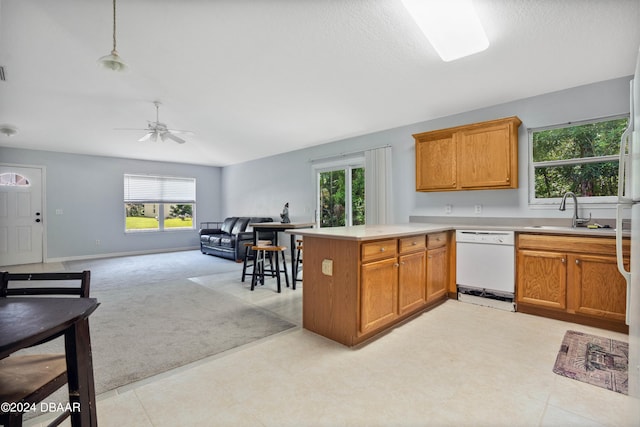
(329, 302)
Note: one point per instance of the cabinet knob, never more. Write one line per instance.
(577, 261)
(564, 260)
(396, 265)
(382, 249)
(414, 243)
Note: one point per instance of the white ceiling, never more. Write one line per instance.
(253, 78)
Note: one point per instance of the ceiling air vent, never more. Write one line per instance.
(2, 79)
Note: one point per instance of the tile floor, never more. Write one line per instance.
(456, 365)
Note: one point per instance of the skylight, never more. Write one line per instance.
(451, 26)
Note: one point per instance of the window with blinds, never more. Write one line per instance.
(159, 203)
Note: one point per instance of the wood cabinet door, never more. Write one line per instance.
(598, 289)
(378, 294)
(436, 164)
(485, 157)
(542, 279)
(437, 273)
(411, 280)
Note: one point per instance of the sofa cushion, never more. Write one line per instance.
(240, 225)
(227, 241)
(228, 224)
(215, 240)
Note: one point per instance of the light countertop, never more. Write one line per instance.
(374, 232)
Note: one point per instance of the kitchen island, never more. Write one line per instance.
(360, 281)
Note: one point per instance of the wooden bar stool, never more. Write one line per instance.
(298, 260)
(249, 255)
(260, 257)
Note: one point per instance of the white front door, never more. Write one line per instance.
(21, 218)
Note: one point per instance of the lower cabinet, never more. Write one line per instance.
(589, 273)
(437, 267)
(542, 279)
(378, 294)
(411, 282)
(392, 286)
(413, 272)
(571, 278)
(355, 289)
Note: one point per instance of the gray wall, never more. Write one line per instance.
(261, 187)
(89, 191)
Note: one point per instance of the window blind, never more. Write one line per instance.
(159, 189)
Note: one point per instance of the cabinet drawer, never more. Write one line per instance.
(379, 250)
(412, 244)
(437, 240)
(575, 244)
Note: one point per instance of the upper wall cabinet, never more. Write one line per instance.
(479, 156)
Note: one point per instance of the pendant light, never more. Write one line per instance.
(113, 60)
(8, 130)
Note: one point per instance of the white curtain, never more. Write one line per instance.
(377, 186)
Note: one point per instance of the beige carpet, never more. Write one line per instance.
(146, 325)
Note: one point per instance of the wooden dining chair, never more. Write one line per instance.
(26, 380)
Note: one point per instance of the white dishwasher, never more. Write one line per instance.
(485, 268)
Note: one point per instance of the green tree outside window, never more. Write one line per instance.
(581, 158)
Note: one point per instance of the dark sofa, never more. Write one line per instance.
(228, 240)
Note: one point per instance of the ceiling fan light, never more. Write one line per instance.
(112, 62)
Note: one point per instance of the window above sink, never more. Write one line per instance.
(579, 157)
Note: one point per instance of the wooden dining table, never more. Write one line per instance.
(26, 321)
(277, 227)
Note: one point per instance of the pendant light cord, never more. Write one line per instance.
(114, 25)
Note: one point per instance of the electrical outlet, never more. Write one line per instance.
(478, 209)
(327, 267)
(59, 212)
(448, 209)
(97, 242)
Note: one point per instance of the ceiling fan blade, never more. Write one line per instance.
(174, 138)
(180, 131)
(146, 137)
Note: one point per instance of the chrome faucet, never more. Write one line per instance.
(575, 221)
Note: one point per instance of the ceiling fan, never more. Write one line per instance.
(158, 129)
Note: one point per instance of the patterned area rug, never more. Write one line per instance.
(594, 360)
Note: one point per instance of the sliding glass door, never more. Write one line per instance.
(340, 194)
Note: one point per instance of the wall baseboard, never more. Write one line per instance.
(119, 254)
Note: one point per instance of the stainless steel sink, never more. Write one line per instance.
(548, 227)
